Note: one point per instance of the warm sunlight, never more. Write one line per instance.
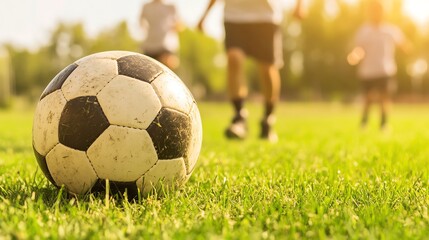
(418, 10)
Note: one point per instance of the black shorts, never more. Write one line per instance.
(381, 84)
(262, 41)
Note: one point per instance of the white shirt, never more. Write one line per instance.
(379, 44)
(253, 11)
(161, 19)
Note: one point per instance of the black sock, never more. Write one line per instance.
(383, 119)
(364, 120)
(238, 106)
(269, 109)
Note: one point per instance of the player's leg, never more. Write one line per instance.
(237, 91)
(267, 49)
(170, 60)
(237, 88)
(384, 107)
(270, 86)
(369, 95)
(235, 41)
(384, 102)
(367, 101)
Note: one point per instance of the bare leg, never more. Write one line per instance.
(237, 91)
(270, 84)
(366, 106)
(237, 88)
(384, 108)
(169, 60)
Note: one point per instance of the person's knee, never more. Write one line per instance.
(235, 57)
(373, 95)
(264, 66)
(170, 60)
(268, 69)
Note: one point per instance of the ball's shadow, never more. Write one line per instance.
(43, 192)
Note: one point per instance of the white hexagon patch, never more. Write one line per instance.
(129, 102)
(113, 55)
(46, 121)
(196, 139)
(122, 154)
(89, 78)
(164, 175)
(173, 93)
(71, 168)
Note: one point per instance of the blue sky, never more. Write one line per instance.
(27, 23)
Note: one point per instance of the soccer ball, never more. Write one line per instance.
(117, 116)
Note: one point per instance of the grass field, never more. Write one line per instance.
(324, 179)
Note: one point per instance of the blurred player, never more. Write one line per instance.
(161, 22)
(252, 30)
(375, 44)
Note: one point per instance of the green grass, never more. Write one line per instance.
(324, 179)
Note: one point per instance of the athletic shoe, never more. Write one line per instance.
(238, 127)
(267, 131)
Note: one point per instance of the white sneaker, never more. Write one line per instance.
(267, 131)
(238, 127)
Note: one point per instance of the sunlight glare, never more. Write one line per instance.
(417, 10)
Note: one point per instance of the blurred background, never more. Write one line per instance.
(39, 38)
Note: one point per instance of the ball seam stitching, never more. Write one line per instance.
(92, 166)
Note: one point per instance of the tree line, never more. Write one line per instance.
(315, 51)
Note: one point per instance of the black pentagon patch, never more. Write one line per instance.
(58, 80)
(81, 122)
(170, 133)
(139, 67)
(43, 165)
(117, 188)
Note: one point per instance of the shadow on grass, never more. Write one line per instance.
(19, 191)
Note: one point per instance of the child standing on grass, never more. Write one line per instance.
(162, 24)
(252, 29)
(375, 43)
